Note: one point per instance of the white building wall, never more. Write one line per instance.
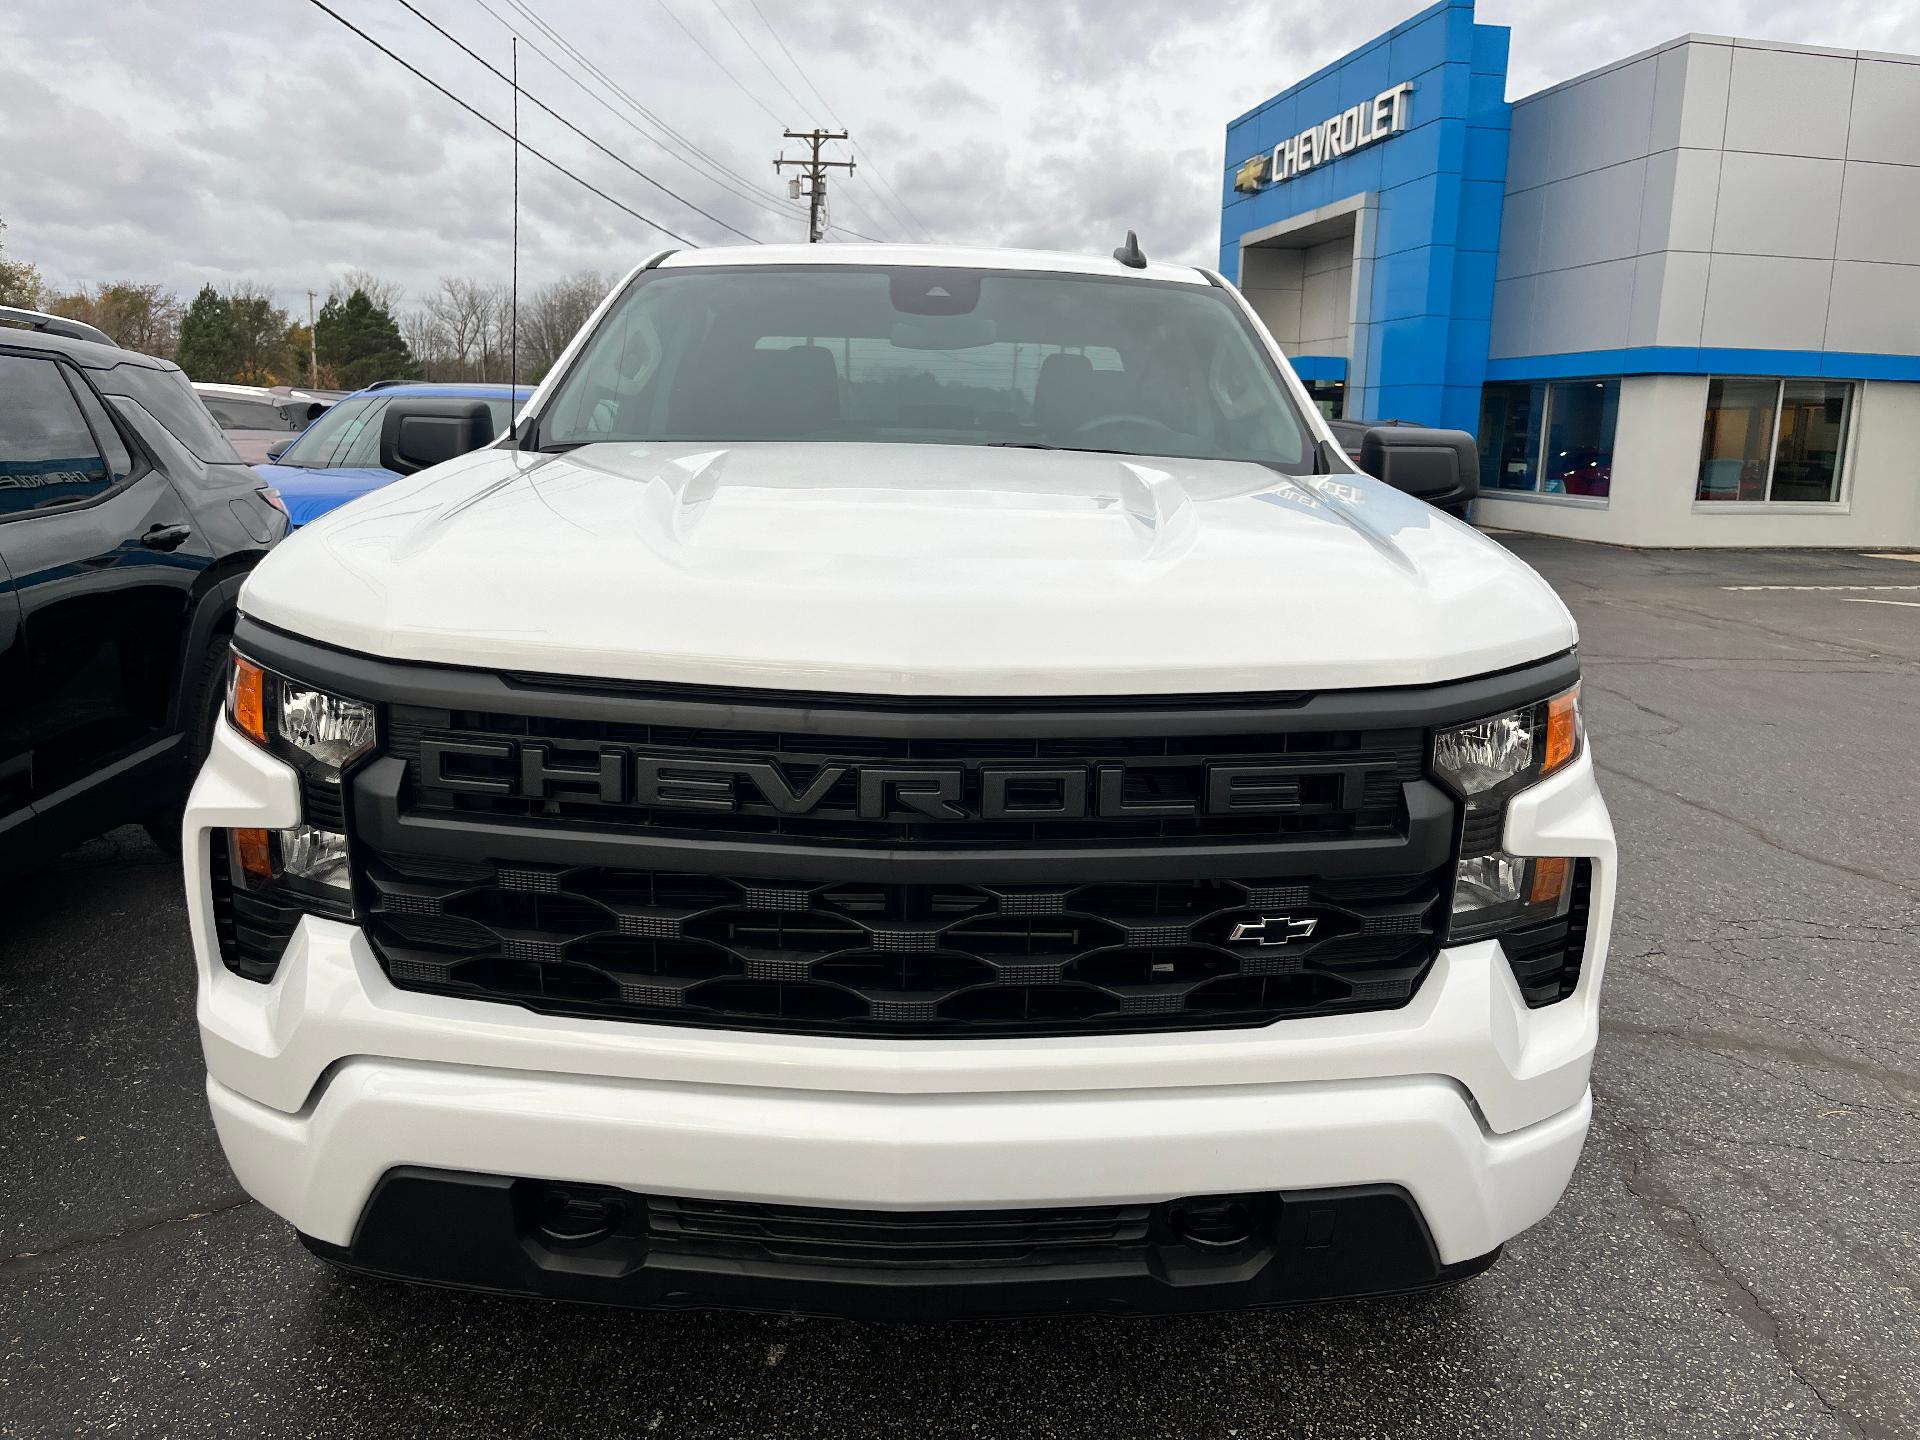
(1721, 194)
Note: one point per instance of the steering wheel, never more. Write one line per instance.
(1127, 417)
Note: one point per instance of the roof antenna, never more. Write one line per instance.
(1130, 254)
(513, 322)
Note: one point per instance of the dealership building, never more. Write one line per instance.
(1677, 298)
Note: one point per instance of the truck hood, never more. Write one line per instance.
(910, 570)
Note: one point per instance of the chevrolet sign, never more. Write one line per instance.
(1352, 129)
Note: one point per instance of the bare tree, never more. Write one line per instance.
(385, 294)
(462, 314)
(423, 339)
(551, 315)
(464, 329)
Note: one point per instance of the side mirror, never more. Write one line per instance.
(279, 448)
(417, 433)
(1441, 467)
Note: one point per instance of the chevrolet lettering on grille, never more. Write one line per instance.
(983, 791)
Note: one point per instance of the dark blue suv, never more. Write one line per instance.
(338, 457)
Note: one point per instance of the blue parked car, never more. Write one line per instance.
(340, 455)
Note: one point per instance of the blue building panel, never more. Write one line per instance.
(1426, 201)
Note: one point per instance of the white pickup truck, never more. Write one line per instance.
(915, 781)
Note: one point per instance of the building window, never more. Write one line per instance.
(1328, 396)
(1774, 440)
(1579, 453)
(1549, 438)
(1510, 436)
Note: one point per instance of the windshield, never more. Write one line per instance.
(931, 356)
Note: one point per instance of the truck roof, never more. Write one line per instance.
(957, 257)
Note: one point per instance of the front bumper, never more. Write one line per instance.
(328, 1079)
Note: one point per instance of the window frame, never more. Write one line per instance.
(1537, 496)
(1842, 502)
(141, 463)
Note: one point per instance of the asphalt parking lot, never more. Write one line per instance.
(1738, 1254)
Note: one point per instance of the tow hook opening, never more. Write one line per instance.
(573, 1216)
(1216, 1222)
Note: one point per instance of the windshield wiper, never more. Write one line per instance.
(560, 447)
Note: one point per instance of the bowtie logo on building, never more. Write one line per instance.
(1251, 175)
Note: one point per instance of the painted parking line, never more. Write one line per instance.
(1814, 589)
(1858, 600)
(1912, 557)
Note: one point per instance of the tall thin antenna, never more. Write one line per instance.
(513, 304)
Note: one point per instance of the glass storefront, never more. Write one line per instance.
(1510, 436)
(1549, 438)
(1779, 440)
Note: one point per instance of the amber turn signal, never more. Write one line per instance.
(1550, 876)
(1563, 730)
(254, 849)
(247, 705)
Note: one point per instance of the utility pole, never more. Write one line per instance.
(814, 188)
(313, 348)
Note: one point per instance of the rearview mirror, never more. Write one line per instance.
(279, 448)
(417, 433)
(1441, 467)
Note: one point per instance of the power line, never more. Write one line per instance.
(887, 185)
(533, 99)
(716, 59)
(867, 215)
(712, 163)
(740, 84)
(807, 80)
(754, 50)
(501, 129)
(705, 163)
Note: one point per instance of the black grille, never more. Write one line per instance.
(322, 804)
(938, 1239)
(1546, 959)
(876, 958)
(1337, 784)
(251, 928)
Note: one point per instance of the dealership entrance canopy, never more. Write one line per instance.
(1677, 298)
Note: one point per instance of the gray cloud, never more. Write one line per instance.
(227, 139)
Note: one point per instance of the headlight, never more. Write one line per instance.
(335, 731)
(1498, 891)
(1492, 758)
(321, 735)
(1486, 763)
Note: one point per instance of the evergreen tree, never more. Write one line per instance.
(260, 336)
(208, 348)
(360, 342)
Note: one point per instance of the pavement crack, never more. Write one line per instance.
(133, 1234)
(1764, 836)
(1677, 1220)
(1903, 1083)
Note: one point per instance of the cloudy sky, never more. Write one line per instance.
(193, 140)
